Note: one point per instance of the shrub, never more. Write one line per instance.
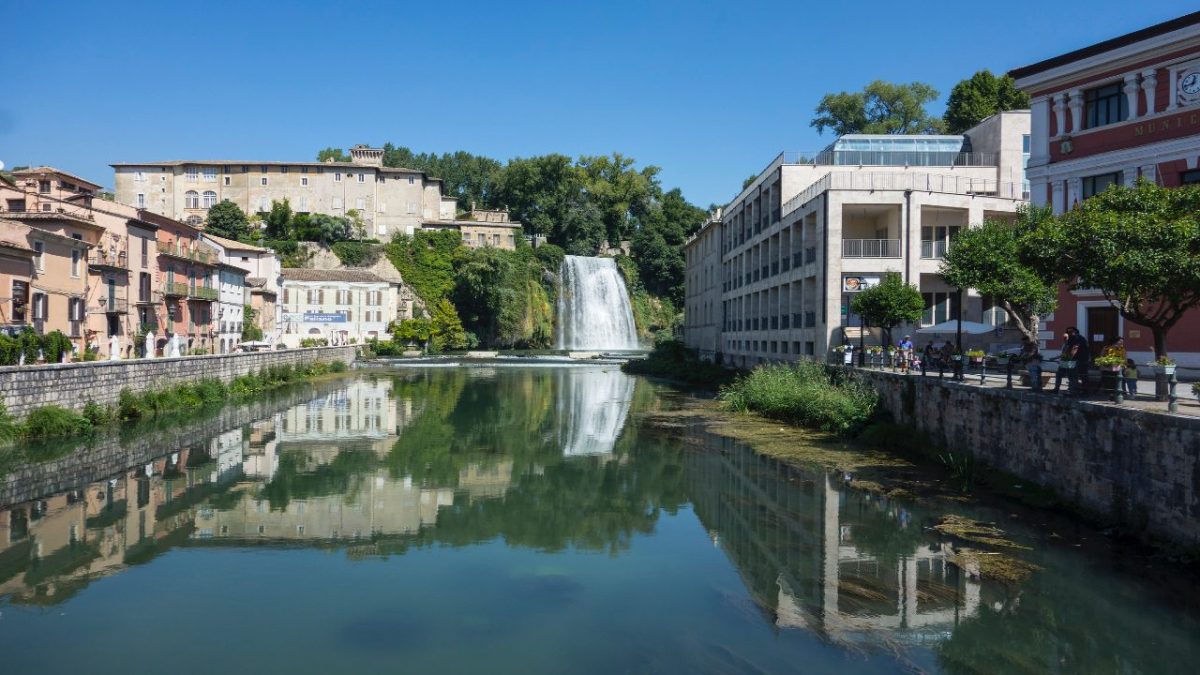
(337, 367)
(8, 428)
(54, 420)
(356, 254)
(806, 394)
(96, 414)
(672, 360)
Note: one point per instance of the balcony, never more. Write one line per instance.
(197, 255)
(933, 249)
(175, 289)
(113, 304)
(111, 260)
(870, 248)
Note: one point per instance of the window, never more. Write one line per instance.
(412, 207)
(304, 203)
(43, 186)
(304, 169)
(226, 180)
(939, 307)
(362, 177)
(262, 181)
(482, 239)
(145, 252)
(304, 181)
(283, 169)
(141, 200)
(75, 262)
(360, 204)
(337, 202)
(412, 180)
(337, 176)
(1094, 185)
(495, 240)
(139, 176)
(210, 199)
(1189, 177)
(383, 207)
(1104, 105)
(193, 174)
(210, 174)
(262, 168)
(39, 255)
(1025, 143)
(191, 199)
(40, 306)
(47, 207)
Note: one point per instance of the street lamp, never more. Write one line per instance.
(958, 335)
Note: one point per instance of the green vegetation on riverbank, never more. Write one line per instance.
(54, 421)
(805, 393)
(671, 360)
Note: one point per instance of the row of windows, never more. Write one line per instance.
(210, 176)
(770, 346)
(343, 297)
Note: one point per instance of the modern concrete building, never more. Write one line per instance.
(812, 230)
(1108, 114)
(336, 305)
(388, 199)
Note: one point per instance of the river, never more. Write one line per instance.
(513, 520)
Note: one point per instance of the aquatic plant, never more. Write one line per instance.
(805, 393)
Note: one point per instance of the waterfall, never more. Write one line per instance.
(593, 306)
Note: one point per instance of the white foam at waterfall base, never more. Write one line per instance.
(593, 306)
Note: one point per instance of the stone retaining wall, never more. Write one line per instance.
(72, 385)
(1135, 468)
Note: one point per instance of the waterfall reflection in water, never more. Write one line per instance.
(592, 407)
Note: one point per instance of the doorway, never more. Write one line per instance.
(1102, 326)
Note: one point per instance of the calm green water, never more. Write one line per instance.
(517, 520)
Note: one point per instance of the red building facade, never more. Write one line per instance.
(1110, 113)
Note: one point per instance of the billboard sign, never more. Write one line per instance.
(853, 283)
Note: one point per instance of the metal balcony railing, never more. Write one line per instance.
(109, 259)
(870, 248)
(192, 254)
(114, 304)
(932, 249)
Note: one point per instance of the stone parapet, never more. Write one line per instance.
(72, 385)
(1132, 467)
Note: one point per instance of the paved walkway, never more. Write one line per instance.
(1188, 404)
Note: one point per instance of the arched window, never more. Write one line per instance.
(191, 199)
(210, 199)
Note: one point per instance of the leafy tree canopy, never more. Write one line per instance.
(889, 304)
(1139, 245)
(279, 220)
(226, 219)
(983, 94)
(332, 154)
(993, 260)
(880, 108)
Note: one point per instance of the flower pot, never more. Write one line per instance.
(976, 360)
(1159, 369)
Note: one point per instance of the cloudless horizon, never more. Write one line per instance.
(709, 92)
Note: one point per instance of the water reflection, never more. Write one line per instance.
(555, 462)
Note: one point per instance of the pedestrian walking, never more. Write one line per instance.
(1130, 373)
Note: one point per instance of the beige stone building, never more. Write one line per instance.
(389, 200)
(481, 228)
(812, 230)
(338, 306)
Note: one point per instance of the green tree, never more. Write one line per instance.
(1140, 246)
(880, 108)
(469, 178)
(622, 193)
(332, 154)
(658, 245)
(251, 331)
(746, 183)
(226, 219)
(980, 96)
(279, 220)
(446, 329)
(993, 260)
(889, 304)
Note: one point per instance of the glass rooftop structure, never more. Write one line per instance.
(898, 150)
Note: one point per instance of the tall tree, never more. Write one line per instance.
(469, 178)
(880, 108)
(979, 96)
(332, 154)
(1140, 246)
(993, 260)
(622, 193)
(889, 303)
(279, 220)
(226, 219)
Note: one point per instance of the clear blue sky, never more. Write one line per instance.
(710, 92)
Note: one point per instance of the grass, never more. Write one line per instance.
(806, 394)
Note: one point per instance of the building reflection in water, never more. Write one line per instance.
(51, 548)
(592, 406)
(848, 565)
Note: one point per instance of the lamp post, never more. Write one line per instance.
(958, 336)
(861, 332)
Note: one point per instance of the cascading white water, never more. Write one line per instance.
(593, 306)
(592, 407)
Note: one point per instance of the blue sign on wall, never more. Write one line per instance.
(320, 317)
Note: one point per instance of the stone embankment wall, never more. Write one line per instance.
(72, 385)
(1135, 468)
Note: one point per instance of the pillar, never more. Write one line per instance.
(1076, 104)
(1131, 94)
(1149, 83)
